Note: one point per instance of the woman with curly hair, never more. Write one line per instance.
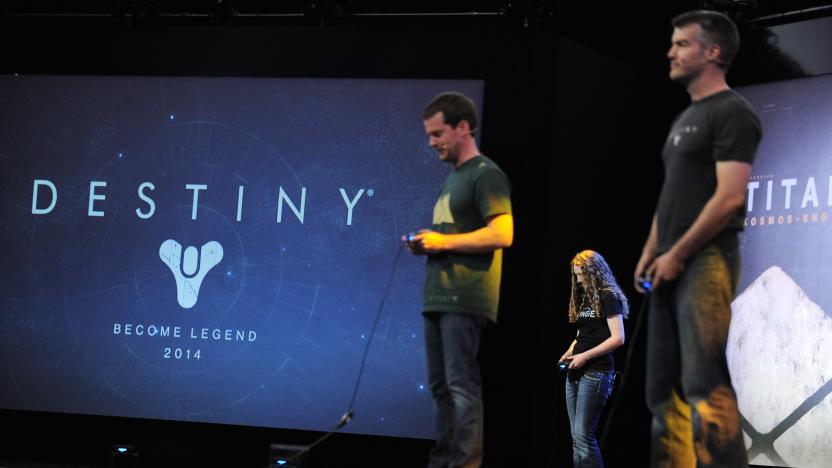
(599, 308)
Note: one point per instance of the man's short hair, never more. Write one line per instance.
(716, 29)
(455, 107)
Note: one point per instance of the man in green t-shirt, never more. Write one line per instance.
(472, 223)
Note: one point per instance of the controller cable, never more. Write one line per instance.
(347, 417)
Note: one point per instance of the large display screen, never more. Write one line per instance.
(780, 340)
(216, 249)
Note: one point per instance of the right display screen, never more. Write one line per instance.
(779, 346)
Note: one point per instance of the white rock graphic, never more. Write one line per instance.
(780, 356)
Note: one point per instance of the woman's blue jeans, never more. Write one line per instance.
(586, 394)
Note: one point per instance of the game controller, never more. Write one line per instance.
(411, 236)
(563, 365)
(646, 282)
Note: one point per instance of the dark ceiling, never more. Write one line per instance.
(629, 31)
(746, 10)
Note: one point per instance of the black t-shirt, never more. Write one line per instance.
(593, 330)
(720, 127)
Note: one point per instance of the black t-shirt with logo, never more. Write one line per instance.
(720, 127)
(593, 330)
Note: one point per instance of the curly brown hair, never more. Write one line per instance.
(597, 277)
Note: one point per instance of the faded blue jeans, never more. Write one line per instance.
(695, 417)
(451, 345)
(586, 394)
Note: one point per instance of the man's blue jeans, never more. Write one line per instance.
(695, 417)
(586, 394)
(451, 344)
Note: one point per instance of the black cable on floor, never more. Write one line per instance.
(347, 417)
(625, 371)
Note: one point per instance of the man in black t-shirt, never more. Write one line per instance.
(692, 253)
(472, 223)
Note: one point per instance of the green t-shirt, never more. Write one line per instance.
(467, 283)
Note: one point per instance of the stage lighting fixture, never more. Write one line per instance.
(728, 5)
(222, 10)
(132, 12)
